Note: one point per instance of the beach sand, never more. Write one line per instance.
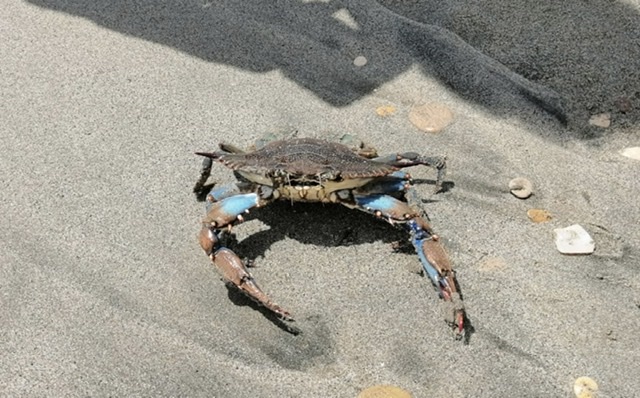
(104, 290)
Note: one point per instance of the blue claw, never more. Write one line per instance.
(236, 205)
(420, 238)
(394, 182)
(223, 191)
(376, 202)
(226, 211)
(386, 205)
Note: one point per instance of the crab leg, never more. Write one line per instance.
(409, 159)
(398, 181)
(235, 272)
(222, 211)
(431, 253)
(226, 211)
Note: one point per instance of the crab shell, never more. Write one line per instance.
(305, 169)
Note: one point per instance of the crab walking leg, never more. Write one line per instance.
(432, 255)
(409, 159)
(235, 272)
(205, 172)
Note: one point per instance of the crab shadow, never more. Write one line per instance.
(328, 225)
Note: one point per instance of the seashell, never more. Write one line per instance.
(631, 152)
(585, 387)
(574, 240)
(384, 391)
(521, 187)
(602, 120)
(538, 215)
(385, 110)
(360, 61)
(431, 118)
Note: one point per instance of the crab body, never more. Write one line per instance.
(312, 170)
(305, 169)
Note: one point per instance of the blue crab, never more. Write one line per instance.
(313, 170)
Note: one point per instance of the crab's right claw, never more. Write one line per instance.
(234, 272)
(437, 266)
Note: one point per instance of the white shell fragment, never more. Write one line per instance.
(574, 240)
(632, 152)
(602, 120)
(585, 387)
(521, 187)
(431, 118)
(360, 61)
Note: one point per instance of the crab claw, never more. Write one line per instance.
(226, 211)
(437, 266)
(434, 259)
(235, 272)
(385, 205)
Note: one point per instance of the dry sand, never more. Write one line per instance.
(104, 290)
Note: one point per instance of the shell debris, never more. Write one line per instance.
(538, 215)
(574, 240)
(602, 120)
(585, 387)
(631, 152)
(431, 118)
(385, 110)
(360, 61)
(521, 188)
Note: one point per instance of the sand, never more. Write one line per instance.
(104, 290)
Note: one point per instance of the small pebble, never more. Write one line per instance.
(574, 240)
(521, 187)
(431, 118)
(585, 387)
(360, 61)
(386, 110)
(538, 215)
(384, 391)
(601, 120)
(624, 104)
(632, 152)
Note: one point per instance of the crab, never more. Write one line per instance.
(314, 170)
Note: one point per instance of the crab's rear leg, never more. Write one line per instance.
(222, 214)
(431, 253)
(409, 159)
